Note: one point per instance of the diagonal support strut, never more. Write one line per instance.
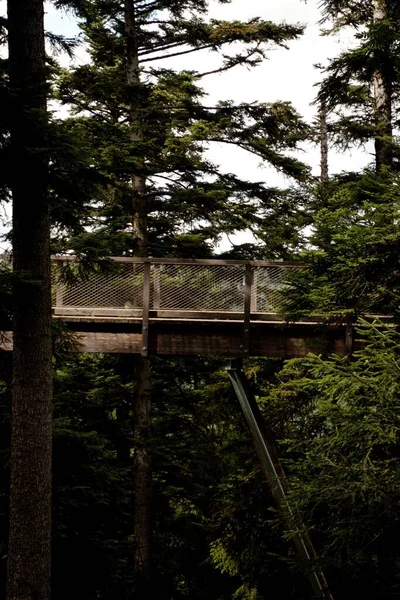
(275, 475)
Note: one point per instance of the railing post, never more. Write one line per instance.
(59, 285)
(253, 304)
(248, 281)
(157, 287)
(146, 309)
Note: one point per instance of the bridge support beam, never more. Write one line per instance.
(275, 475)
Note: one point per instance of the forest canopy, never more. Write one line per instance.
(132, 476)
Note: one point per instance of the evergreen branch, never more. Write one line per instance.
(188, 51)
(161, 48)
(60, 43)
(150, 7)
(174, 181)
(232, 62)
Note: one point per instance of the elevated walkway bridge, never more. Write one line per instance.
(171, 306)
(187, 307)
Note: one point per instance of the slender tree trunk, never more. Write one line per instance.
(383, 104)
(323, 121)
(139, 208)
(142, 462)
(29, 551)
(142, 477)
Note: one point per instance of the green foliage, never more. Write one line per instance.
(211, 506)
(189, 201)
(354, 267)
(92, 505)
(343, 451)
(361, 85)
(216, 533)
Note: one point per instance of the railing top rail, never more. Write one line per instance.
(191, 261)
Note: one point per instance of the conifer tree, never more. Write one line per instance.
(343, 448)
(355, 236)
(148, 126)
(184, 191)
(29, 550)
(361, 84)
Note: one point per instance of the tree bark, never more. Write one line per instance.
(29, 551)
(139, 208)
(324, 143)
(383, 103)
(142, 476)
(142, 454)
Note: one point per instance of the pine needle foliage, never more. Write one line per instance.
(343, 453)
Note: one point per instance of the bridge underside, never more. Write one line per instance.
(219, 338)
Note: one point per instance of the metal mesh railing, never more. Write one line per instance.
(268, 284)
(120, 288)
(198, 287)
(174, 286)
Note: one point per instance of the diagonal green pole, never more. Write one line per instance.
(273, 470)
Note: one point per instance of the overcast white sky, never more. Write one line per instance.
(287, 75)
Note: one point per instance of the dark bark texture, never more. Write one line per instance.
(142, 452)
(323, 122)
(29, 552)
(139, 208)
(142, 475)
(383, 103)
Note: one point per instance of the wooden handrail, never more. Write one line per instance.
(190, 261)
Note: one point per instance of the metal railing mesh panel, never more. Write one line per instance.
(121, 288)
(173, 287)
(268, 283)
(198, 288)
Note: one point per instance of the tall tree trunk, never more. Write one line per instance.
(142, 455)
(139, 208)
(383, 103)
(142, 477)
(323, 122)
(29, 552)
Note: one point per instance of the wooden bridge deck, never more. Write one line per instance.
(208, 337)
(185, 307)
